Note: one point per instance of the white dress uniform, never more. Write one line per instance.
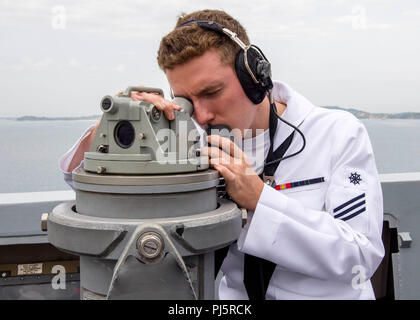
(323, 227)
(322, 224)
(65, 160)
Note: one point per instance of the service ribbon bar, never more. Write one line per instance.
(299, 183)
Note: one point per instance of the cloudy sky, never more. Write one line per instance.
(58, 58)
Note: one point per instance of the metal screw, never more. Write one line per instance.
(103, 135)
(44, 219)
(103, 148)
(142, 136)
(101, 170)
(156, 114)
(150, 245)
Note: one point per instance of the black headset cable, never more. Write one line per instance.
(273, 106)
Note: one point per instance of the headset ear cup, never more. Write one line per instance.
(255, 92)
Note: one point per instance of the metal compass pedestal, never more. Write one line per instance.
(151, 234)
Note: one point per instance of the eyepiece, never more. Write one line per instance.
(107, 104)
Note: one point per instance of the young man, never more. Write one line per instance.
(315, 231)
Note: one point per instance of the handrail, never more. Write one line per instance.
(69, 195)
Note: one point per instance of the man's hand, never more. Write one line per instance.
(242, 183)
(161, 103)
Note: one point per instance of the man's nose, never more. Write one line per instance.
(202, 114)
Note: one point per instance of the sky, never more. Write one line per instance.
(59, 58)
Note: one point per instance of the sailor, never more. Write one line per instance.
(314, 202)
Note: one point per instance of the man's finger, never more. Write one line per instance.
(136, 96)
(160, 103)
(227, 145)
(216, 155)
(226, 173)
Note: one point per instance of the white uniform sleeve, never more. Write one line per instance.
(325, 244)
(65, 160)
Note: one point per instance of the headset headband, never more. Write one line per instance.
(217, 27)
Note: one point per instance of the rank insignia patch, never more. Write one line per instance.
(351, 208)
(355, 178)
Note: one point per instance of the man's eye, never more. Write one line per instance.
(212, 94)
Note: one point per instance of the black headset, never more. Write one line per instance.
(251, 66)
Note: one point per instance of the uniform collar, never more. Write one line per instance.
(298, 108)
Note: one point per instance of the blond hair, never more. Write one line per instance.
(186, 42)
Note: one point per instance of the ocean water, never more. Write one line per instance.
(396, 144)
(30, 150)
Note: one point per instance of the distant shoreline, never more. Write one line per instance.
(367, 115)
(357, 113)
(35, 118)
